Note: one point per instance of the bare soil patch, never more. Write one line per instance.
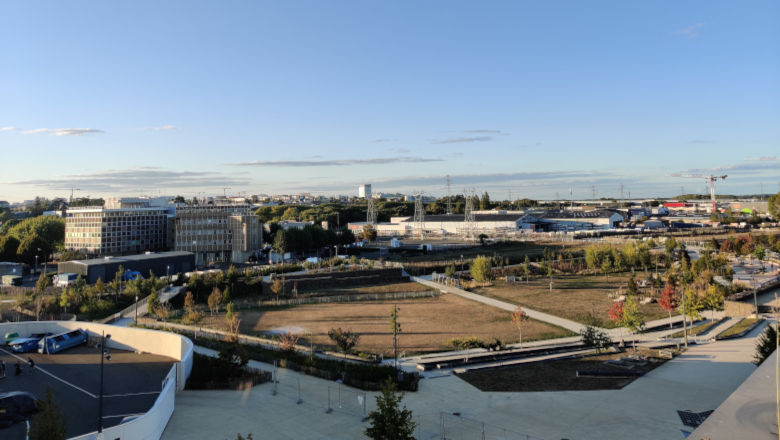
(559, 375)
(572, 297)
(427, 324)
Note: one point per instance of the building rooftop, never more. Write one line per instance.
(573, 214)
(448, 218)
(140, 257)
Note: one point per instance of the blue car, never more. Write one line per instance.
(23, 345)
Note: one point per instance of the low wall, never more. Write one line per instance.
(151, 425)
(738, 308)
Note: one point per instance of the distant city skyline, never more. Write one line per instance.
(280, 98)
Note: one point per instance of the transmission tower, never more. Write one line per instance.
(419, 213)
(621, 192)
(593, 192)
(371, 213)
(449, 205)
(468, 218)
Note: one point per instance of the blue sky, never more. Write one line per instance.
(285, 97)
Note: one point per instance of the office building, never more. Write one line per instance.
(123, 226)
(218, 232)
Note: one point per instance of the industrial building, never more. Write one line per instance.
(161, 264)
(570, 221)
(500, 221)
(11, 269)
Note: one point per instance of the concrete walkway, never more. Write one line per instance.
(699, 380)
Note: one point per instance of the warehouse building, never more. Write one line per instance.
(161, 264)
(570, 221)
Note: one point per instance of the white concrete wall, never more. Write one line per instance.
(152, 424)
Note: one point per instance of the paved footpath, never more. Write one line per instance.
(698, 380)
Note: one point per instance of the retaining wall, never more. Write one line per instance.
(738, 308)
(151, 425)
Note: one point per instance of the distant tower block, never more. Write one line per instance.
(364, 191)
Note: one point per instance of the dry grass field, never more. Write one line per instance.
(572, 297)
(410, 286)
(427, 324)
(515, 251)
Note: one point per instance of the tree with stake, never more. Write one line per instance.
(616, 315)
(606, 267)
(214, 299)
(519, 318)
(668, 301)
(277, 288)
(633, 320)
(760, 254)
(481, 269)
(527, 269)
(592, 336)
(389, 421)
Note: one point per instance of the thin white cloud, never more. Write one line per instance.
(383, 140)
(463, 139)
(331, 163)
(64, 131)
(483, 130)
(9, 128)
(132, 179)
(691, 31)
(165, 127)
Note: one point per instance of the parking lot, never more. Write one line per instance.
(132, 383)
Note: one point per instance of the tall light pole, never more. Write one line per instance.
(103, 355)
(396, 327)
(461, 263)
(36, 266)
(44, 262)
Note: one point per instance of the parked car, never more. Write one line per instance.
(16, 407)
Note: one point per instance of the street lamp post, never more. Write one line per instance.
(103, 355)
(136, 308)
(461, 263)
(36, 266)
(45, 256)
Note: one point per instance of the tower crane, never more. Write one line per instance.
(711, 179)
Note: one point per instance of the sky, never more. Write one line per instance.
(259, 97)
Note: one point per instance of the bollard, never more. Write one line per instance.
(299, 393)
(273, 393)
(330, 409)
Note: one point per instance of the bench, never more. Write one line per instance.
(666, 354)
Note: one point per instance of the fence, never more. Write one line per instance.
(139, 308)
(329, 397)
(20, 290)
(448, 426)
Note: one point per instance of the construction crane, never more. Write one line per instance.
(711, 179)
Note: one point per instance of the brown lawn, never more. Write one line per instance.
(559, 375)
(409, 286)
(427, 324)
(572, 297)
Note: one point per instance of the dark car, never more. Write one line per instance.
(16, 407)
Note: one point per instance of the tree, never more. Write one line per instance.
(527, 269)
(277, 287)
(226, 295)
(713, 300)
(8, 249)
(632, 319)
(759, 253)
(481, 269)
(668, 301)
(593, 336)
(28, 249)
(606, 267)
(389, 421)
(345, 340)
(369, 233)
(152, 303)
(248, 436)
(450, 270)
(773, 206)
(49, 423)
(766, 344)
(214, 299)
(632, 285)
(281, 242)
(616, 313)
(484, 203)
(519, 318)
(50, 228)
(42, 284)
